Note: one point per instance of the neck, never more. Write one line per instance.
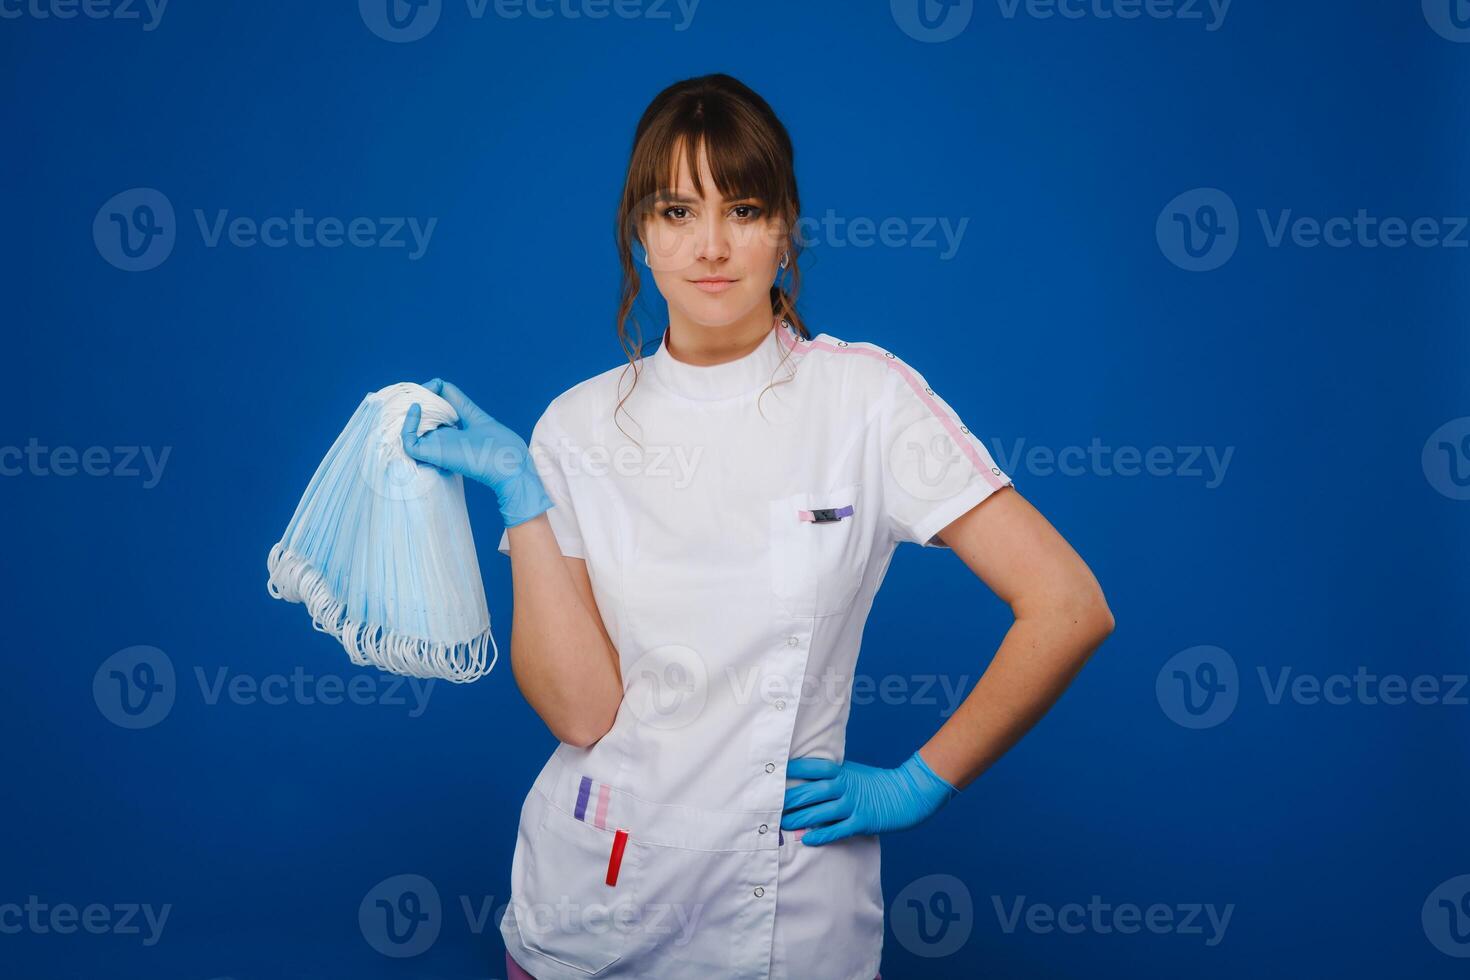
(703, 344)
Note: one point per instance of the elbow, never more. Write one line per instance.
(586, 735)
(1094, 616)
(1082, 611)
(580, 737)
(577, 739)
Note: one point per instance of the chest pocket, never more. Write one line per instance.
(819, 548)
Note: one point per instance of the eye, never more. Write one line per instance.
(669, 212)
(753, 211)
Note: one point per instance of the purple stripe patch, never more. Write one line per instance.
(583, 792)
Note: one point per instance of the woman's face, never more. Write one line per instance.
(713, 260)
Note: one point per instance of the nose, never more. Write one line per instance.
(713, 244)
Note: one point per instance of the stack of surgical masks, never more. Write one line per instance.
(380, 551)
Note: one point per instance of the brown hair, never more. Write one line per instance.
(750, 155)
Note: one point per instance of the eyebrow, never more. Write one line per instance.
(674, 197)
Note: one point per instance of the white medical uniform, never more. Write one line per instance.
(734, 558)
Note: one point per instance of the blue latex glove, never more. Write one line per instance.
(861, 799)
(482, 449)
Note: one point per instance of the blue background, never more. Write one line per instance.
(1061, 318)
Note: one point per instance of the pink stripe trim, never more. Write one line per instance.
(603, 795)
(911, 377)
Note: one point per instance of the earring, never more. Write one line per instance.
(785, 258)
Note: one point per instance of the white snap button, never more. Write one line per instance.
(792, 641)
(770, 767)
(764, 828)
(780, 705)
(759, 891)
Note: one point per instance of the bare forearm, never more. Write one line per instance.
(1039, 656)
(561, 657)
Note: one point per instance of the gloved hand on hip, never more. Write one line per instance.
(481, 449)
(860, 799)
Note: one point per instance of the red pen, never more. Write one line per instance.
(620, 840)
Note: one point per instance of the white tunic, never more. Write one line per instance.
(734, 558)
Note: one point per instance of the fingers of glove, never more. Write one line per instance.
(411, 428)
(836, 832)
(469, 413)
(819, 814)
(431, 447)
(806, 794)
(811, 767)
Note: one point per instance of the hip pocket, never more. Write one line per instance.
(819, 549)
(565, 908)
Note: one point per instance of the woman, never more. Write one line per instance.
(690, 592)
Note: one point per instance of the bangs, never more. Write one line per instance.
(742, 165)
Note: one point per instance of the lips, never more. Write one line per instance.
(714, 285)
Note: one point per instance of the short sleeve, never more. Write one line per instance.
(935, 468)
(550, 449)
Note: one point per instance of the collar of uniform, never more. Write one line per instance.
(729, 379)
